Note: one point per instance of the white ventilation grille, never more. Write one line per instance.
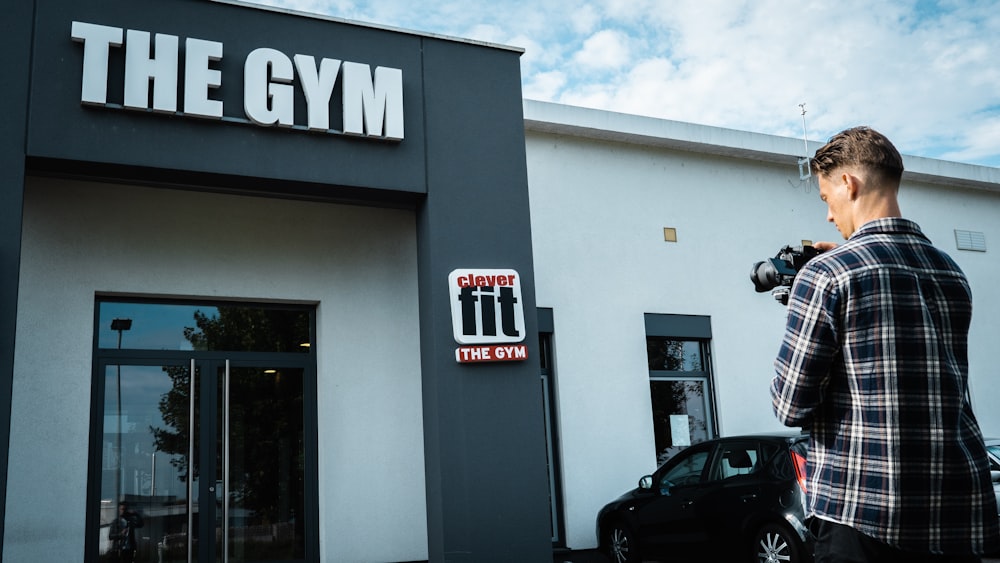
(970, 240)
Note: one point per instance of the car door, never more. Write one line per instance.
(672, 517)
(732, 491)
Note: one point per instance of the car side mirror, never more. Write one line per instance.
(646, 482)
(995, 476)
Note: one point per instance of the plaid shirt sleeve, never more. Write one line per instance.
(808, 348)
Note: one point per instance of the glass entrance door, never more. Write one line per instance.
(150, 486)
(202, 460)
(259, 463)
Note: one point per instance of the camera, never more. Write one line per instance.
(778, 273)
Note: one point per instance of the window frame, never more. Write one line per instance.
(687, 328)
(126, 356)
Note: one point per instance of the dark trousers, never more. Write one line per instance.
(836, 543)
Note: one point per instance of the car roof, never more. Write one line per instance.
(770, 435)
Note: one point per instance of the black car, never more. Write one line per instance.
(739, 498)
(993, 450)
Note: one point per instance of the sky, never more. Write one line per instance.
(925, 73)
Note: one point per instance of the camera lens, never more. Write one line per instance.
(764, 276)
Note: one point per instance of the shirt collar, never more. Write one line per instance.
(888, 226)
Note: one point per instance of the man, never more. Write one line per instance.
(123, 532)
(874, 365)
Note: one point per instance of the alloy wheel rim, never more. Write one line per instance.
(773, 548)
(619, 545)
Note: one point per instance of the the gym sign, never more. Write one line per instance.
(487, 316)
(372, 103)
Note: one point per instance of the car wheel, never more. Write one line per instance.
(775, 543)
(621, 545)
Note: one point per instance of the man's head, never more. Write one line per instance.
(858, 172)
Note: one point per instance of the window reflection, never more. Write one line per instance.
(144, 500)
(672, 354)
(266, 480)
(202, 327)
(680, 417)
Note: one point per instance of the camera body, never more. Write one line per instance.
(778, 273)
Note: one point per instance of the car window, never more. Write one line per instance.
(767, 452)
(736, 460)
(686, 471)
(994, 451)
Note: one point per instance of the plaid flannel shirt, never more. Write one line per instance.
(874, 366)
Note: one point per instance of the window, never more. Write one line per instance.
(736, 460)
(204, 433)
(680, 381)
(687, 472)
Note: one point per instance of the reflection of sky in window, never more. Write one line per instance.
(155, 326)
(141, 390)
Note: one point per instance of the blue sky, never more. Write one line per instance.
(924, 72)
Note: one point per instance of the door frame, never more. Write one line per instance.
(207, 397)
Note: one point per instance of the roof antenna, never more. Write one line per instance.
(805, 171)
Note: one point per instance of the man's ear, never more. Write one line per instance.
(852, 184)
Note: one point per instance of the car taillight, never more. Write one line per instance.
(799, 462)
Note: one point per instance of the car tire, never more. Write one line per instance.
(620, 544)
(776, 543)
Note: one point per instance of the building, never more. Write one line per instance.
(644, 233)
(309, 186)
(312, 290)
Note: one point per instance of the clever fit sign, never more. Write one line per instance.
(487, 315)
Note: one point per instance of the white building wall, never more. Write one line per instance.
(357, 264)
(603, 186)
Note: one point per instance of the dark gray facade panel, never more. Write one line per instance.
(15, 54)
(487, 489)
(546, 321)
(64, 131)
(680, 326)
(461, 161)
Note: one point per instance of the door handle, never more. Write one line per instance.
(190, 475)
(225, 465)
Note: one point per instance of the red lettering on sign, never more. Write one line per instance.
(472, 280)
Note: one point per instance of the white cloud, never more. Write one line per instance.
(922, 72)
(606, 49)
(544, 85)
(585, 19)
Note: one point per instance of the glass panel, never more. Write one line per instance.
(680, 415)
(144, 497)
(736, 460)
(672, 354)
(994, 451)
(266, 465)
(231, 328)
(687, 472)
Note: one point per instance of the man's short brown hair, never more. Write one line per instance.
(862, 147)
